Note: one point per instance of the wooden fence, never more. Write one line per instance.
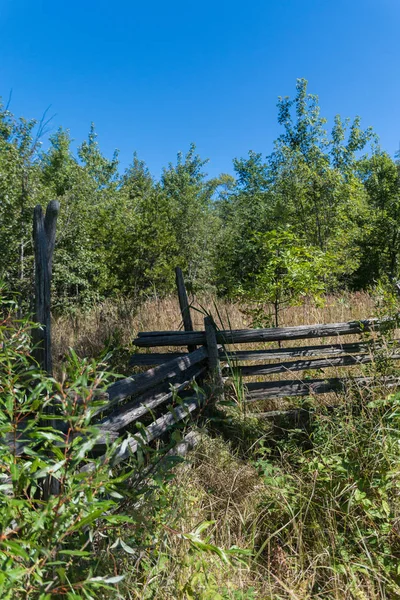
(210, 354)
(291, 361)
(334, 356)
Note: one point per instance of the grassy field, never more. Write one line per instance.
(315, 505)
(120, 321)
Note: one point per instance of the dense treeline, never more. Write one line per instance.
(331, 196)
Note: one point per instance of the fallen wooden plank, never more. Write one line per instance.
(305, 365)
(126, 414)
(276, 414)
(189, 442)
(273, 334)
(137, 384)
(281, 389)
(130, 445)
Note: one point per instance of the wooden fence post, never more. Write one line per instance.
(184, 304)
(44, 237)
(213, 359)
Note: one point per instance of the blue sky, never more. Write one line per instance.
(155, 76)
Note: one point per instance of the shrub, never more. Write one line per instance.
(46, 545)
(334, 507)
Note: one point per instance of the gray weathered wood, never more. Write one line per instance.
(280, 389)
(273, 334)
(239, 356)
(44, 236)
(137, 384)
(155, 430)
(189, 441)
(213, 358)
(184, 304)
(293, 352)
(159, 358)
(50, 226)
(303, 365)
(126, 414)
(273, 414)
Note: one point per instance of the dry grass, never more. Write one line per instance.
(288, 520)
(88, 332)
(117, 323)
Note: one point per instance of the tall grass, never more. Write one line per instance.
(118, 322)
(314, 502)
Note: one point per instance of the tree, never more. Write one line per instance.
(246, 207)
(315, 176)
(190, 197)
(88, 193)
(380, 244)
(20, 190)
(146, 255)
(137, 181)
(309, 182)
(291, 272)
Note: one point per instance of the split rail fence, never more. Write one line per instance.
(166, 391)
(324, 356)
(272, 361)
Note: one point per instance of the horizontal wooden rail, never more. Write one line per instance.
(137, 384)
(153, 431)
(303, 365)
(156, 429)
(152, 359)
(243, 336)
(320, 350)
(122, 416)
(281, 389)
(158, 358)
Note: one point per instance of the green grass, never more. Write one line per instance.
(318, 511)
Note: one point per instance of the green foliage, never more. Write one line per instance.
(341, 494)
(380, 244)
(19, 184)
(189, 198)
(289, 271)
(122, 233)
(46, 547)
(106, 534)
(310, 182)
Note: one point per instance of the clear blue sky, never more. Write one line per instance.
(154, 76)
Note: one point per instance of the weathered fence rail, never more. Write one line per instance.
(156, 358)
(324, 356)
(294, 387)
(153, 339)
(129, 399)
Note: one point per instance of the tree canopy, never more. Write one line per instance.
(124, 232)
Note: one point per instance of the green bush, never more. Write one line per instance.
(47, 546)
(334, 507)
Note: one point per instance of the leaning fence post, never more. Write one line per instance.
(184, 303)
(44, 237)
(213, 358)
